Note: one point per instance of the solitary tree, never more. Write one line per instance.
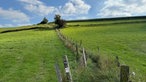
(44, 21)
(60, 22)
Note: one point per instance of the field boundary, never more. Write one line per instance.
(106, 24)
(82, 55)
(15, 30)
(109, 19)
(75, 47)
(24, 29)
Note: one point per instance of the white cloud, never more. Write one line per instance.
(13, 15)
(118, 8)
(13, 25)
(24, 24)
(6, 25)
(82, 17)
(74, 7)
(38, 7)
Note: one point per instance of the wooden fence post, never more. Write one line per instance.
(77, 53)
(84, 58)
(58, 72)
(80, 42)
(124, 73)
(117, 61)
(67, 68)
(98, 50)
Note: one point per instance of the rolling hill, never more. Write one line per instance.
(29, 55)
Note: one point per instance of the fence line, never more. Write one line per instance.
(75, 47)
(84, 58)
(82, 54)
(67, 69)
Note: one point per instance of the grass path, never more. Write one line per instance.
(29, 56)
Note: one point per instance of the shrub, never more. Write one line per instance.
(44, 21)
(60, 22)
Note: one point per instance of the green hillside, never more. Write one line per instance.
(28, 53)
(127, 41)
(29, 56)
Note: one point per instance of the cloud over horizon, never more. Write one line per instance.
(15, 16)
(19, 12)
(37, 7)
(119, 8)
(74, 7)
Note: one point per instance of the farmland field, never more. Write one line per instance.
(127, 41)
(105, 22)
(29, 56)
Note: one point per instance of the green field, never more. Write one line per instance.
(127, 41)
(105, 22)
(29, 56)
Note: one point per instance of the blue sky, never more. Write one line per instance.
(25, 12)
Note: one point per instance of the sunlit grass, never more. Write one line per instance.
(128, 41)
(29, 56)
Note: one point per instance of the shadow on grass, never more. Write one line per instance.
(44, 28)
(24, 29)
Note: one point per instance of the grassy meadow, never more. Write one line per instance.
(127, 41)
(29, 56)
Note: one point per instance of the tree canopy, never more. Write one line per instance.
(60, 22)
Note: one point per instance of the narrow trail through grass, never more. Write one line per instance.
(29, 56)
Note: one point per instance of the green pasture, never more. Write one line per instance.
(127, 41)
(104, 22)
(29, 56)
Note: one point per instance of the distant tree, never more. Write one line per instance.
(44, 21)
(60, 22)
